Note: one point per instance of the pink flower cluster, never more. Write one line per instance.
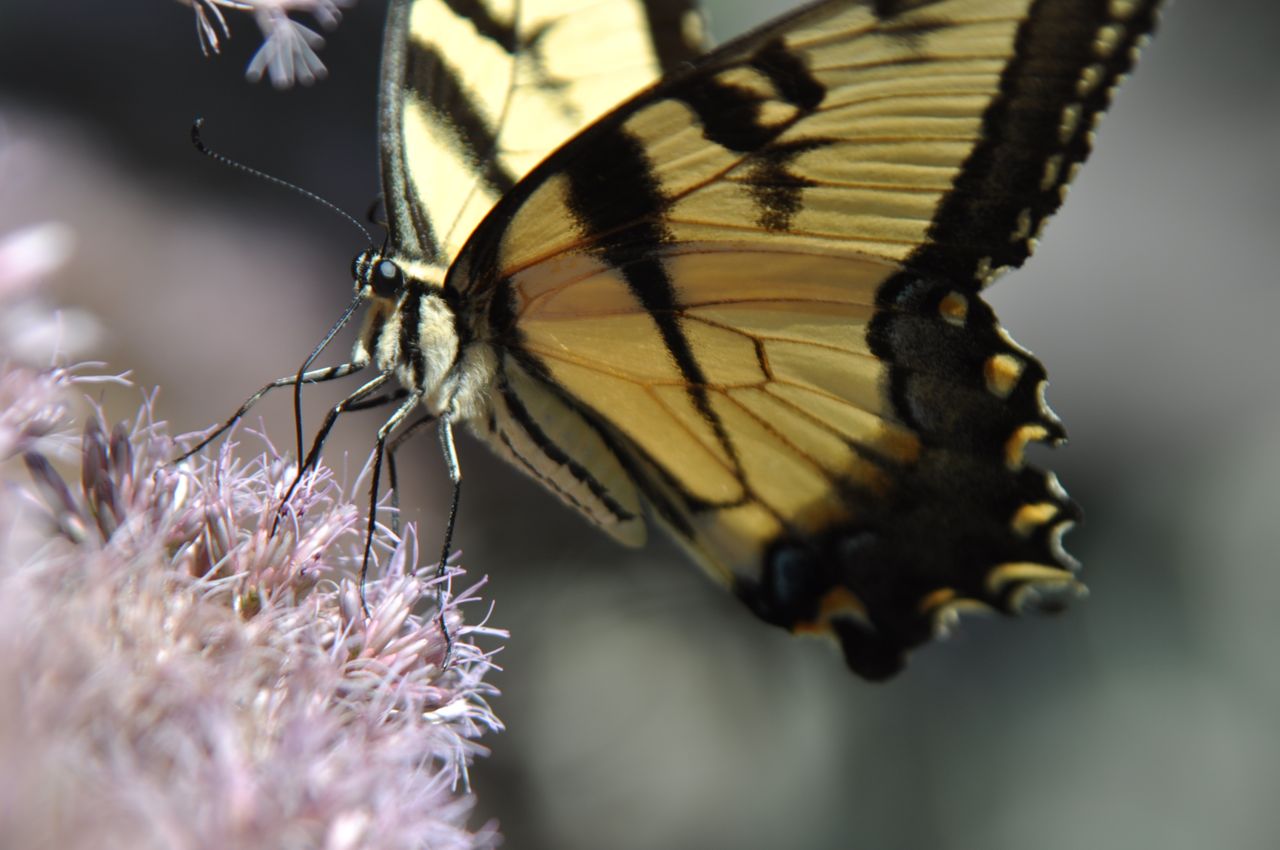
(185, 662)
(175, 674)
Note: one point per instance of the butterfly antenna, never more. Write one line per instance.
(223, 159)
(306, 364)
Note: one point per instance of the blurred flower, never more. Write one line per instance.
(176, 673)
(211, 26)
(30, 330)
(34, 410)
(27, 255)
(288, 52)
(35, 413)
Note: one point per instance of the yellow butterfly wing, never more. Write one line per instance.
(748, 300)
(477, 92)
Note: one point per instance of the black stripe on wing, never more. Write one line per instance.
(775, 190)
(619, 205)
(612, 187)
(657, 485)
(405, 211)
(675, 29)
(730, 115)
(553, 452)
(887, 10)
(501, 33)
(1058, 82)
(618, 202)
(439, 87)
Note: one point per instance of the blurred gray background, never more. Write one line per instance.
(645, 709)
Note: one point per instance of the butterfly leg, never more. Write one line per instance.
(395, 421)
(455, 476)
(313, 456)
(311, 358)
(329, 373)
(393, 482)
(383, 401)
(377, 401)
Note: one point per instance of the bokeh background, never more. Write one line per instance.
(645, 709)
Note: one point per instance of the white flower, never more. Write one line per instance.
(288, 52)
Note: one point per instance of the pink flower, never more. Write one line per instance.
(174, 674)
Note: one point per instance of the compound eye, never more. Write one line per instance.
(386, 278)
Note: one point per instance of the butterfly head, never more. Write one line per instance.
(376, 275)
(412, 332)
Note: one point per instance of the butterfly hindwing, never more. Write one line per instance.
(847, 456)
(748, 300)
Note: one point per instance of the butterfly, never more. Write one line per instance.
(736, 292)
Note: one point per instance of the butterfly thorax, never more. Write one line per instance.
(410, 331)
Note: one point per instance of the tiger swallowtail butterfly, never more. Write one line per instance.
(738, 290)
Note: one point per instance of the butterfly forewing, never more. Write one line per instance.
(475, 93)
(940, 133)
(748, 298)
